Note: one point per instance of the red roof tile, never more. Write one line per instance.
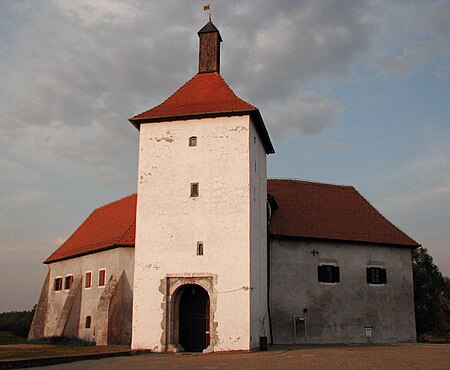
(108, 226)
(305, 210)
(205, 95)
(314, 210)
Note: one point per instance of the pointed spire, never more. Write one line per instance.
(209, 53)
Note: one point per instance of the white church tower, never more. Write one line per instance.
(200, 275)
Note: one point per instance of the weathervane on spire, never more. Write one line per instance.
(208, 8)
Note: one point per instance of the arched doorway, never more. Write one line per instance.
(194, 318)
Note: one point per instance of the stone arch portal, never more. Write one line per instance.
(193, 318)
(190, 303)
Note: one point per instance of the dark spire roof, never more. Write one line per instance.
(210, 27)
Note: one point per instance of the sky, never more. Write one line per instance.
(352, 92)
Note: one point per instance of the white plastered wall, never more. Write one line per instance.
(258, 238)
(113, 260)
(170, 223)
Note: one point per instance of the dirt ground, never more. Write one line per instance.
(413, 356)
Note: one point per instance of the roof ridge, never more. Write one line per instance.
(312, 182)
(382, 215)
(176, 91)
(231, 90)
(126, 231)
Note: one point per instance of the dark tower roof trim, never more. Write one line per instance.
(209, 27)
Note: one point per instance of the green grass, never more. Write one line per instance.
(25, 351)
(6, 337)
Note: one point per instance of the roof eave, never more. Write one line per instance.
(253, 113)
(48, 261)
(323, 239)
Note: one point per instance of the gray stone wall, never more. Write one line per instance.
(305, 310)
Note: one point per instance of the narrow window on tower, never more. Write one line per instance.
(87, 323)
(193, 141)
(199, 248)
(194, 189)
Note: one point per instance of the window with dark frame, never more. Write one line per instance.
(88, 280)
(87, 323)
(199, 248)
(328, 274)
(58, 284)
(101, 277)
(193, 141)
(68, 282)
(194, 189)
(376, 275)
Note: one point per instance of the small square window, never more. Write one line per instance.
(101, 277)
(193, 141)
(329, 274)
(199, 248)
(194, 189)
(58, 284)
(68, 282)
(88, 280)
(376, 275)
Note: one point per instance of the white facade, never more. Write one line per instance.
(228, 217)
(86, 303)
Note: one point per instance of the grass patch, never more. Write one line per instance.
(6, 337)
(24, 351)
(63, 341)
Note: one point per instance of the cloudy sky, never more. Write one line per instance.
(352, 92)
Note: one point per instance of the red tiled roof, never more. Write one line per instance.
(205, 95)
(314, 210)
(108, 226)
(305, 210)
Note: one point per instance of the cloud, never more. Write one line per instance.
(401, 48)
(436, 19)
(308, 113)
(412, 56)
(335, 146)
(424, 180)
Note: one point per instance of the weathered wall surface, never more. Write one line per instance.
(170, 223)
(340, 312)
(120, 313)
(258, 239)
(38, 325)
(115, 261)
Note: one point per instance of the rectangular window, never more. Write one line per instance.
(68, 282)
(87, 323)
(58, 284)
(194, 189)
(101, 277)
(376, 275)
(329, 274)
(199, 248)
(88, 280)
